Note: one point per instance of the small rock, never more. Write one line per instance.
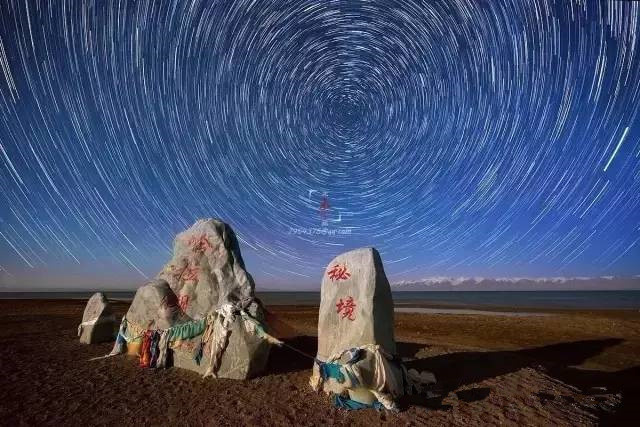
(98, 321)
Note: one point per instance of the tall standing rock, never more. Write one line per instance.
(356, 305)
(98, 321)
(356, 312)
(208, 276)
(207, 270)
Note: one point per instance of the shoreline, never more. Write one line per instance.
(468, 312)
(404, 307)
(492, 301)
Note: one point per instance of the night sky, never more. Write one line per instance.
(485, 138)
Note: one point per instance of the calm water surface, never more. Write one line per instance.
(520, 299)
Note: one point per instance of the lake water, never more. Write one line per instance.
(520, 299)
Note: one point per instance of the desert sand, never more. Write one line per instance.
(567, 368)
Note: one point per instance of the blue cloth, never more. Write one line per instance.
(121, 340)
(199, 353)
(355, 355)
(352, 378)
(188, 330)
(330, 370)
(342, 402)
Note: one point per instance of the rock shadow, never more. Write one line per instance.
(298, 353)
(456, 370)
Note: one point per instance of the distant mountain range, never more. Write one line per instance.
(519, 284)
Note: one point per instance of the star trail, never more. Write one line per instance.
(456, 136)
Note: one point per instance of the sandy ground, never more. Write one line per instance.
(571, 368)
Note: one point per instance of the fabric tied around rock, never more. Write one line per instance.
(121, 341)
(330, 370)
(187, 330)
(385, 385)
(145, 350)
(163, 347)
(219, 336)
(92, 322)
(214, 329)
(87, 323)
(154, 349)
(342, 402)
(219, 331)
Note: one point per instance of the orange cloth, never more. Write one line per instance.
(145, 351)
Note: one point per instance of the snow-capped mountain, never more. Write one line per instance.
(518, 284)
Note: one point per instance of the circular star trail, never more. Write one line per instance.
(457, 137)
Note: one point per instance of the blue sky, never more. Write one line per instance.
(458, 138)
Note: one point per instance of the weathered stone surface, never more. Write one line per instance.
(98, 321)
(207, 270)
(356, 310)
(245, 356)
(155, 306)
(356, 306)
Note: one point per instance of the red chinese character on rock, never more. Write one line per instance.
(338, 273)
(346, 308)
(183, 302)
(190, 273)
(200, 244)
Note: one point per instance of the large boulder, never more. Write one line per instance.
(98, 321)
(356, 345)
(245, 356)
(206, 269)
(208, 276)
(356, 306)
